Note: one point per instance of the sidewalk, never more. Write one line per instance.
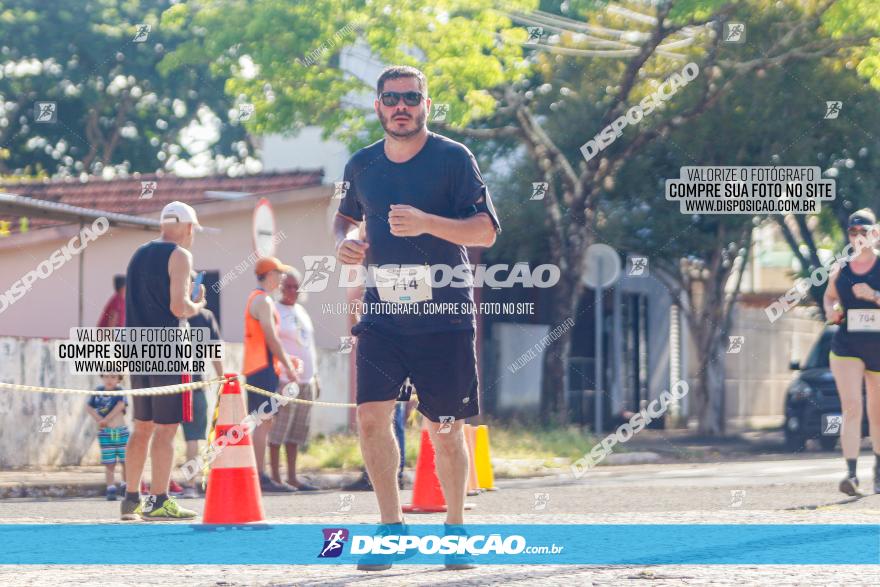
(62, 482)
(88, 481)
(649, 446)
(686, 445)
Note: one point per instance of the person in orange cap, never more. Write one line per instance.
(263, 354)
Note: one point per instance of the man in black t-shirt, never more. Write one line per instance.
(423, 200)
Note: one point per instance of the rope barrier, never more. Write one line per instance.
(296, 400)
(305, 401)
(159, 390)
(172, 389)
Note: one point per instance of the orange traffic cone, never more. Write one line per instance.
(427, 494)
(233, 495)
(470, 435)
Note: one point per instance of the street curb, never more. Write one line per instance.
(18, 490)
(326, 481)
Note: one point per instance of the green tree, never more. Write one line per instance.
(502, 89)
(114, 110)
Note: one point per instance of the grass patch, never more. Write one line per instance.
(527, 442)
(337, 451)
(341, 451)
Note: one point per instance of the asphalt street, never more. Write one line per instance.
(746, 492)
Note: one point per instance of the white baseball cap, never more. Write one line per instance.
(180, 213)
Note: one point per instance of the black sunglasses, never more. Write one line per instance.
(409, 98)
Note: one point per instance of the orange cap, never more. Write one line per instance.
(267, 264)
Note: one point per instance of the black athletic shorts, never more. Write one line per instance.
(159, 409)
(441, 365)
(266, 379)
(857, 347)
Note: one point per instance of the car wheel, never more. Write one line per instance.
(795, 443)
(828, 442)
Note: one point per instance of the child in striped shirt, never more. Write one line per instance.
(108, 411)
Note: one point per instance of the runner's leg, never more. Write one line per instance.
(136, 453)
(162, 457)
(381, 456)
(452, 467)
(848, 375)
(872, 381)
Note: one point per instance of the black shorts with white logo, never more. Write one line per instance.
(441, 365)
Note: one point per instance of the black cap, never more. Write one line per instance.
(863, 217)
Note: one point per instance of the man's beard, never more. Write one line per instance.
(419, 125)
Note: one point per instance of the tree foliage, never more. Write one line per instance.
(115, 111)
(540, 97)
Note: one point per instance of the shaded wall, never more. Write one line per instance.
(50, 308)
(72, 439)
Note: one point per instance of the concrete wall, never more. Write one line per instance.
(307, 150)
(758, 376)
(72, 438)
(49, 309)
(518, 390)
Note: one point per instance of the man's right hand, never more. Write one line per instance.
(352, 251)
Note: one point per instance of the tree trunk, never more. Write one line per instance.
(709, 394)
(554, 408)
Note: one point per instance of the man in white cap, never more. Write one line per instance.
(159, 295)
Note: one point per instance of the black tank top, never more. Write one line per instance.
(148, 287)
(846, 279)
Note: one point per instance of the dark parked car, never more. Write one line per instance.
(812, 406)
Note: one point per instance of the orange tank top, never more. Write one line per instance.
(256, 353)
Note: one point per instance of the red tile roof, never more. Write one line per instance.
(123, 195)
